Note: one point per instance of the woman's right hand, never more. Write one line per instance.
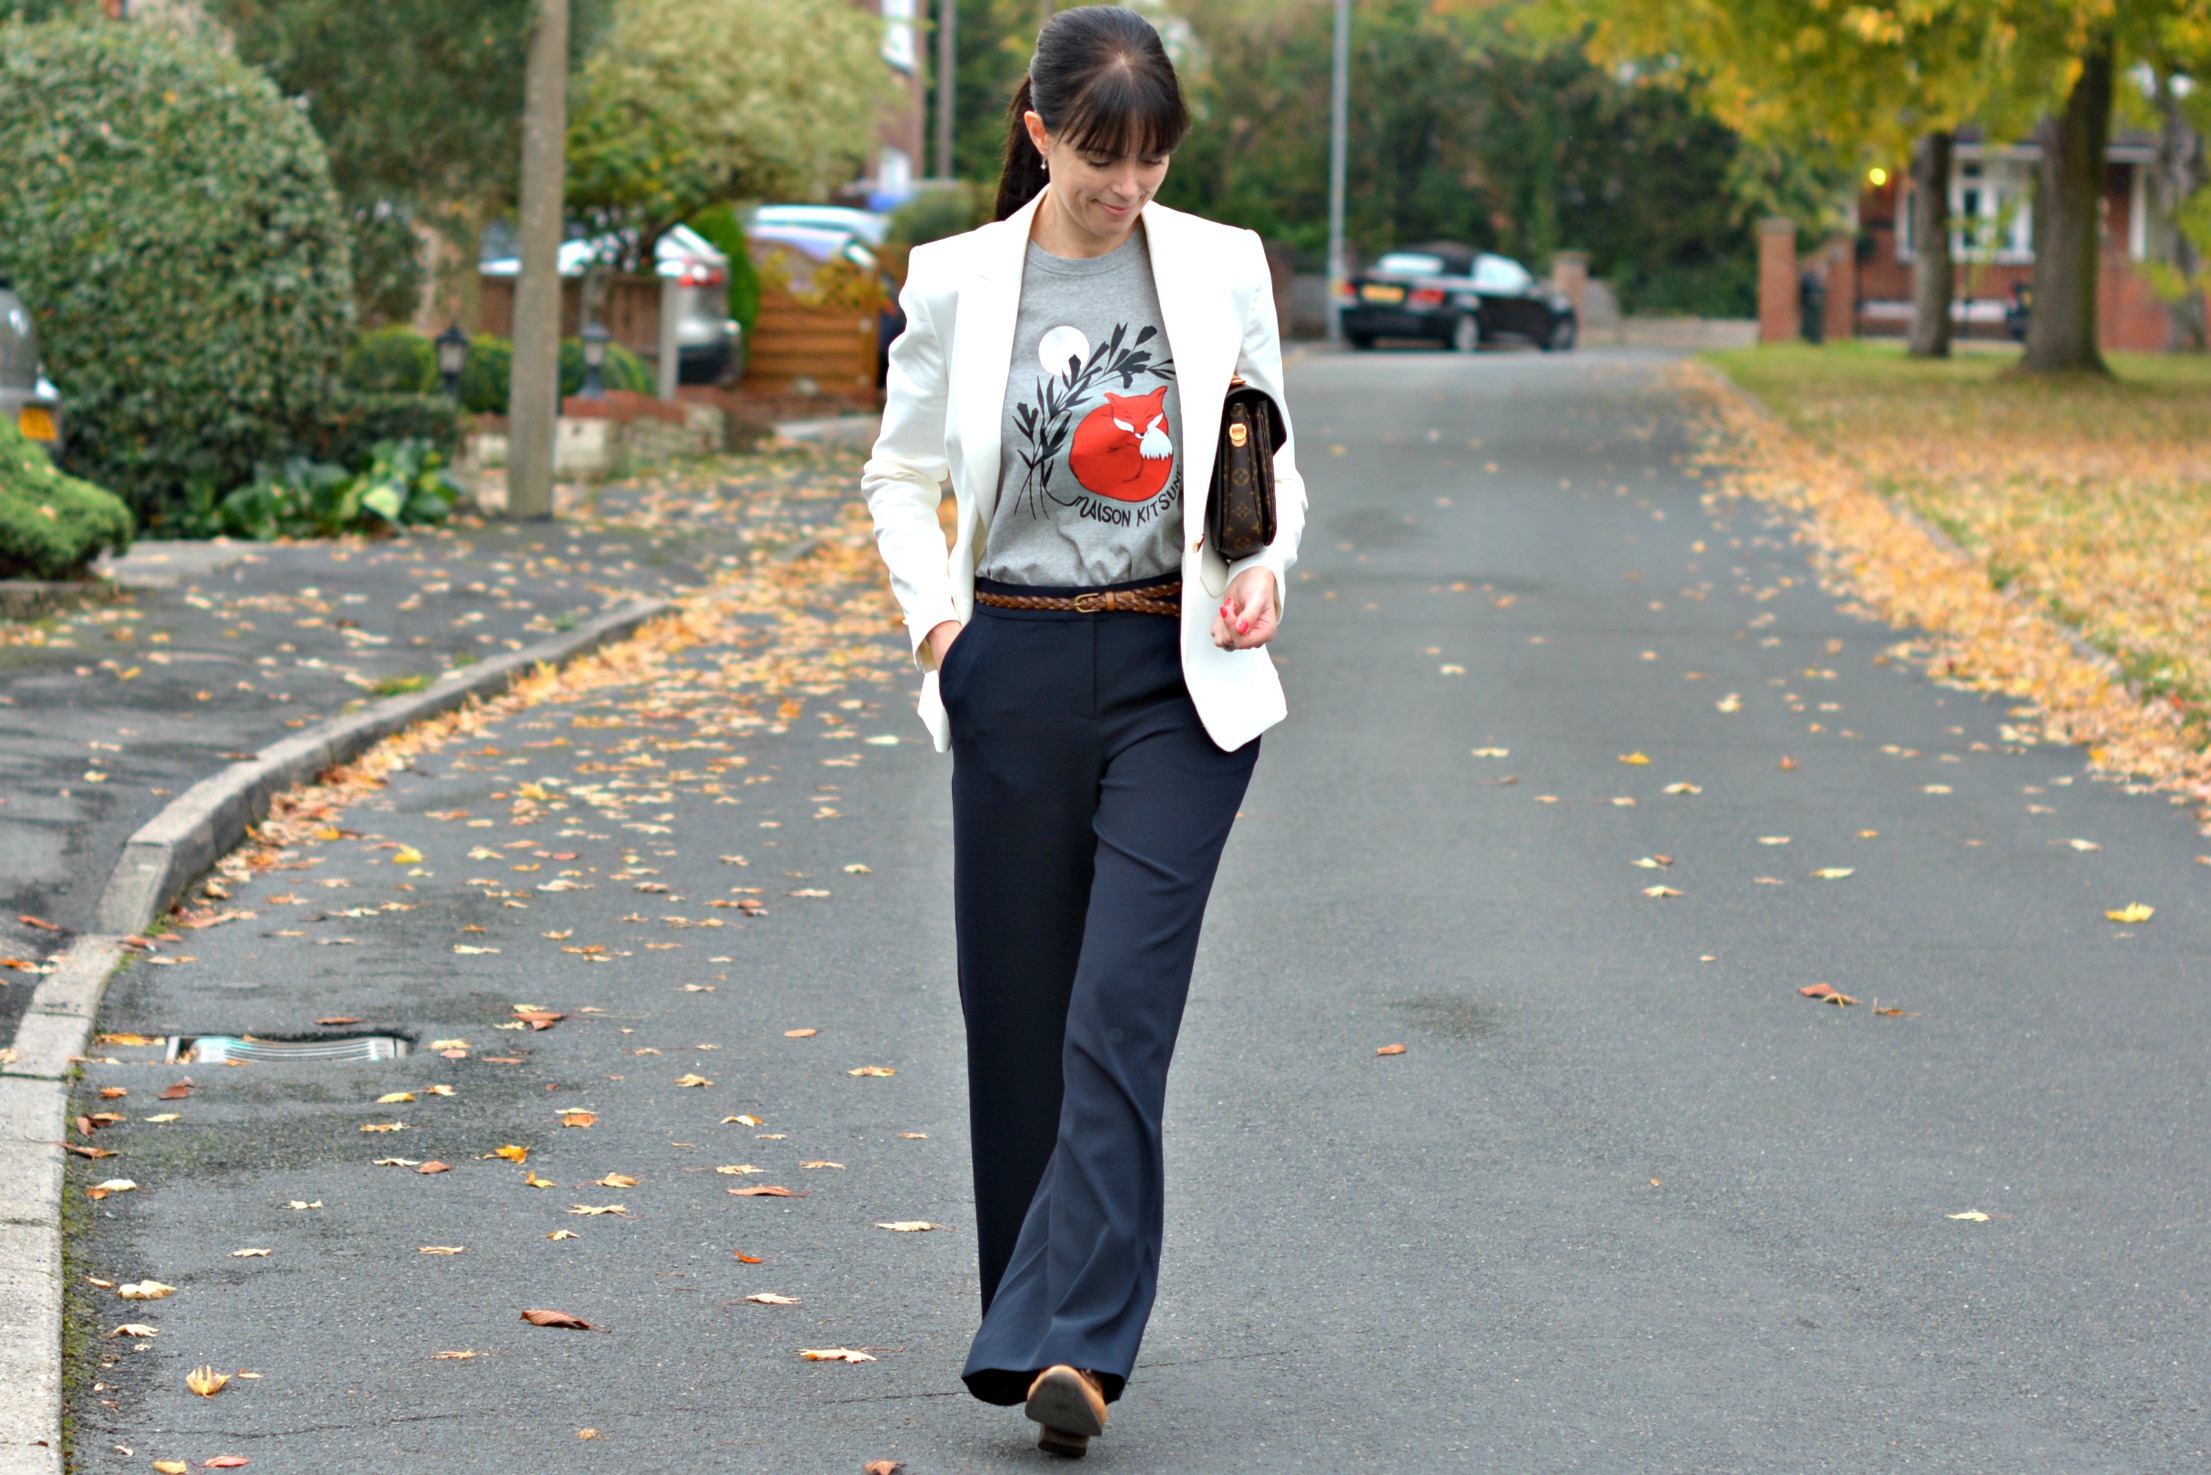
(940, 640)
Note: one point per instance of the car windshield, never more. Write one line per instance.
(1409, 264)
(1498, 274)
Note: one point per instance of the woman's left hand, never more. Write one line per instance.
(1250, 614)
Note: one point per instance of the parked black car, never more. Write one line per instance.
(1456, 296)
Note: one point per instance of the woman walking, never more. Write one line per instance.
(1094, 666)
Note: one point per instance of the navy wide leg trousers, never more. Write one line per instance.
(1089, 812)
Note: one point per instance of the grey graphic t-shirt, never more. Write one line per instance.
(1090, 475)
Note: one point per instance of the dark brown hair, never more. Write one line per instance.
(1100, 79)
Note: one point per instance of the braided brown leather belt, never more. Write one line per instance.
(1160, 599)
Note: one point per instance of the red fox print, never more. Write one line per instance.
(1122, 448)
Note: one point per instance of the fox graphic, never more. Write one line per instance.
(1122, 449)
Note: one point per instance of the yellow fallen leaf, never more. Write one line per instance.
(172, 1467)
(300, 1205)
(1683, 789)
(616, 1180)
(1834, 873)
(770, 1298)
(394, 1098)
(206, 1382)
(2133, 911)
(1972, 1216)
(165, 1116)
(821, 1162)
(564, 1234)
(439, 1090)
(693, 1080)
(592, 1210)
(834, 1354)
(2084, 845)
(441, 1249)
(136, 1329)
(249, 1254)
(1635, 760)
(1936, 789)
(745, 1120)
(872, 1070)
(112, 1185)
(739, 1170)
(1732, 702)
(449, 1044)
(384, 1127)
(406, 855)
(512, 1153)
(800, 1034)
(1492, 752)
(1660, 891)
(1773, 839)
(531, 1180)
(908, 1226)
(145, 1290)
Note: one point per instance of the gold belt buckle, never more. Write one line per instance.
(1095, 603)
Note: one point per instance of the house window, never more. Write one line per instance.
(1992, 210)
(899, 48)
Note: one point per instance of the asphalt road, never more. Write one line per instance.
(1627, 1201)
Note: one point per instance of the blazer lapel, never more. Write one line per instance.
(1204, 346)
(990, 307)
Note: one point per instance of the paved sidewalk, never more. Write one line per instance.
(219, 649)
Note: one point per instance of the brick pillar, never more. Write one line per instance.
(1570, 278)
(1777, 284)
(1842, 288)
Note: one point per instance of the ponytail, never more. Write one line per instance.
(1023, 178)
(1101, 80)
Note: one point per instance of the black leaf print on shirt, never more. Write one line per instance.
(1046, 425)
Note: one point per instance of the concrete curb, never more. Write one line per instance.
(191, 834)
(201, 825)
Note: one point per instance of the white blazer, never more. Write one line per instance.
(945, 414)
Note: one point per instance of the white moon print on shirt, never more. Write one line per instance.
(1059, 345)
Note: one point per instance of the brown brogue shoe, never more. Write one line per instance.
(1070, 1406)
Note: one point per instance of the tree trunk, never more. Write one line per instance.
(1933, 277)
(2068, 196)
(2181, 170)
(533, 403)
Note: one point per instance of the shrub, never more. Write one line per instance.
(404, 484)
(169, 218)
(51, 524)
(395, 360)
(725, 233)
(489, 375)
(355, 424)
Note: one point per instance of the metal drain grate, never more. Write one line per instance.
(345, 1050)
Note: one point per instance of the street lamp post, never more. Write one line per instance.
(594, 360)
(1339, 122)
(452, 346)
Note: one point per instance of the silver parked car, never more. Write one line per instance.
(26, 397)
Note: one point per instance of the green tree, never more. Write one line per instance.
(687, 102)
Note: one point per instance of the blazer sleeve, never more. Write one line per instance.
(905, 474)
(1260, 362)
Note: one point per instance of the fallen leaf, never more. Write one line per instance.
(303, 1204)
(1834, 873)
(1635, 760)
(1493, 752)
(1390, 1050)
(531, 1180)
(858, 870)
(172, 1467)
(1649, 863)
(770, 1298)
(249, 1254)
(834, 1354)
(455, 1356)
(578, 1119)
(206, 1382)
(2084, 845)
(1936, 789)
(1827, 995)
(113, 1093)
(537, 1019)
(472, 952)
(79, 1150)
(406, 855)
(1683, 789)
(698, 988)
(1660, 891)
(227, 1462)
(821, 1162)
(394, 1098)
(1896, 1013)
(746, 1120)
(765, 1190)
(136, 1329)
(398, 1162)
(337, 1019)
(739, 1170)
(883, 1467)
(439, 1090)
(181, 1091)
(1773, 839)
(915, 1136)
(1732, 702)
(129, 1039)
(434, 1167)
(2133, 911)
(800, 1034)
(112, 1185)
(1971, 1216)
(385, 1127)
(564, 1234)
(39, 922)
(541, 1317)
(440, 1249)
(1787, 763)
(587, 1434)
(693, 1080)
(616, 1180)
(165, 1116)
(512, 1153)
(872, 1070)
(449, 1044)
(593, 1210)
(744, 1259)
(909, 1226)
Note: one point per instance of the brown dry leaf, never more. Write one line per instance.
(337, 1019)
(206, 1382)
(883, 1467)
(136, 1329)
(227, 1462)
(744, 1259)
(385, 1127)
(692, 1080)
(39, 922)
(461, 1356)
(538, 1019)
(765, 1190)
(800, 1034)
(909, 1226)
(1896, 1013)
(1787, 763)
(129, 1039)
(872, 1070)
(770, 1298)
(145, 1290)
(616, 1180)
(541, 1317)
(587, 1434)
(113, 1093)
(1391, 1050)
(739, 1170)
(178, 1092)
(79, 1150)
(592, 1210)
(1827, 995)
(834, 1354)
(915, 1136)
(578, 1119)
(434, 1166)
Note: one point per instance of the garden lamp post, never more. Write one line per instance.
(594, 361)
(452, 358)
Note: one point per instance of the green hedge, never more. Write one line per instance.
(354, 424)
(395, 360)
(168, 217)
(51, 524)
(722, 230)
(489, 375)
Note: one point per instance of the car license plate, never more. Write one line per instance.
(36, 422)
(1379, 292)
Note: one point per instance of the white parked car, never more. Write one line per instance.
(707, 338)
(27, 397)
